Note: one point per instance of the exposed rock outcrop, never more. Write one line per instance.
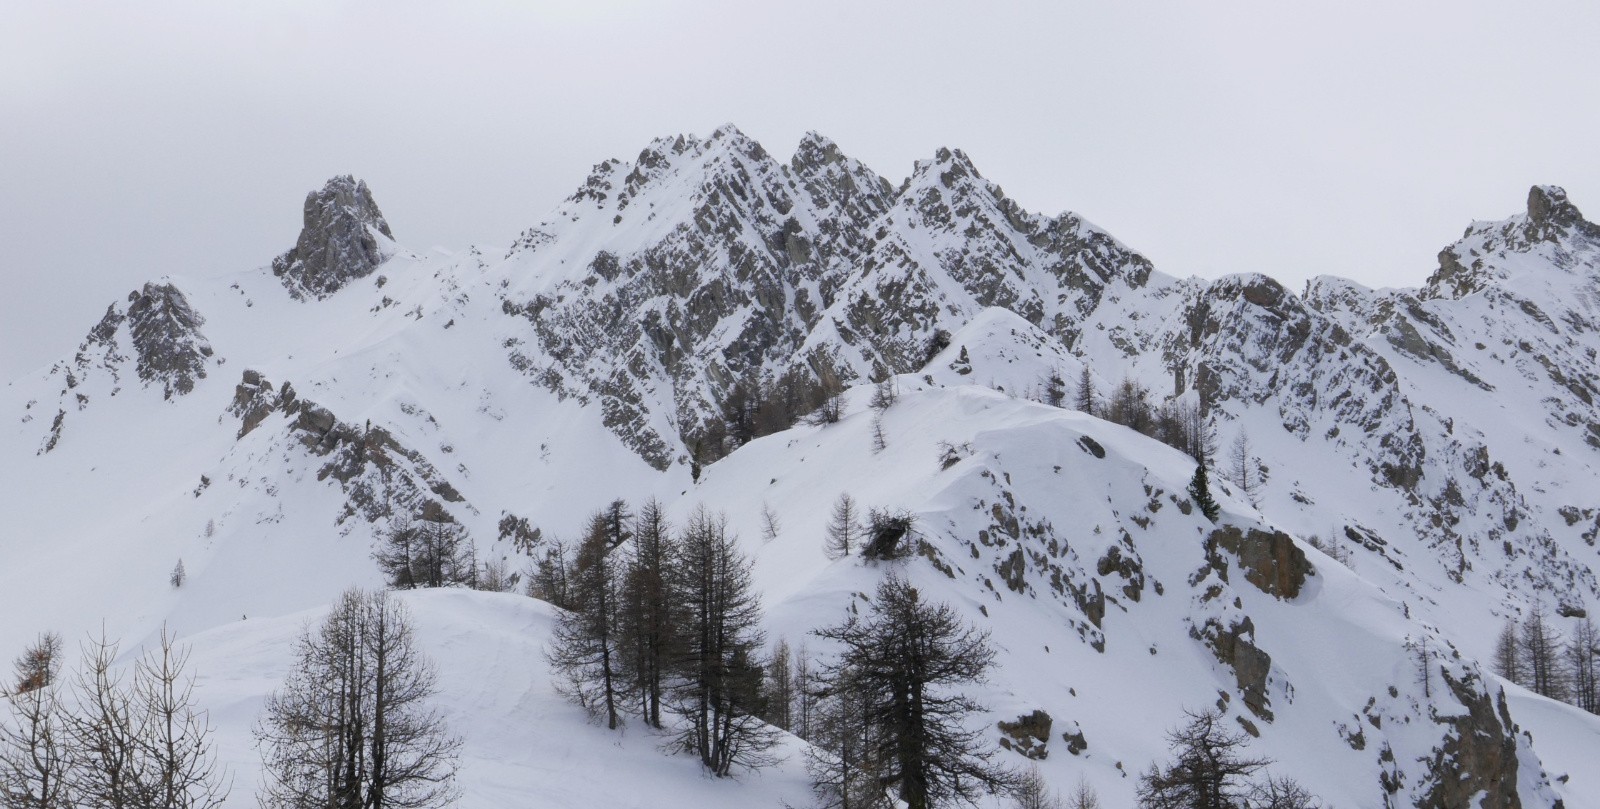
(1234, 646)
(1270, 559)
(1477, 765)
(344, 237)
(382, 478)
(1029, 735)
(170, 349)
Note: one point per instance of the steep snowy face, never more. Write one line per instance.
(153, 337)
(1440, 442)
(1256, 345)
(1114, 603)
(344, 238)
(846, 198)
(1552, 228)
(662, 284)
(952, 244)
(1499, 351)
(1531, 286)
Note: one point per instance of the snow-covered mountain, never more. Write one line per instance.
(266, 426)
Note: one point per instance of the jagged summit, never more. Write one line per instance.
(1014, 380)
(344, 237)
(172, 352)
(951, 165)
(1552, 228)
(1551, 214)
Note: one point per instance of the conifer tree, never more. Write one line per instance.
(805, 689)
(646, 620)
(1055, 389)
(617, 520)
(769, 523)
(1244, 468)
(885, 394)
(1033, 792)
(780, 687)
(1083, 797)
(1130, 406)
(179, 767)
(33, 745)
(584, 648)
(1210, 770)
(1083, 398)
(351, 725)
(549, 580)
(103, 733)
(1581, 652)
(717, 693)
(905, 663)
(427, 553)
(39, 664)
(1200, 492)
(843, 759)
(844, 528)
(1508, 654)
(1541, 645)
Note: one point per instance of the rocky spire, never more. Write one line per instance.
(1550, 214)
(166, 334)
(344, 237)
(1467, 266)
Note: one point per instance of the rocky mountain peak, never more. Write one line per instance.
(1551, 215)
(1551, 224)
(1548, 205)
(818, 161)
(730, 134)
(816, 149)
(166, 335)
(950, 166)
(344, 237)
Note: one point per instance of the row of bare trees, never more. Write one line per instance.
(109, 738)
(664, 625)
(1535, 655)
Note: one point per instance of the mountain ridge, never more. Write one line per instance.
(600, 356)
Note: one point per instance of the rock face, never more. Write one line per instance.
(739, 255)
(953, 244)
(1234, 646)
(1270, 559)
(666, 285)
(666, 288)
(722, 266)
(154, 334)
(166, 335)
(1477, 766)
(382, 478)
(344, 237)
(1029, 735)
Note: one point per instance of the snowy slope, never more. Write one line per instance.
(522, 744)
(266, 426)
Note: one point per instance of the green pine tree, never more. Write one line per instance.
(1200, 490)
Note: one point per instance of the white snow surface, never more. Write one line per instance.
(134, 482)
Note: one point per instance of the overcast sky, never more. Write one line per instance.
(1288, 138)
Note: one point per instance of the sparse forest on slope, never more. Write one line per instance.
(1294, 513)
